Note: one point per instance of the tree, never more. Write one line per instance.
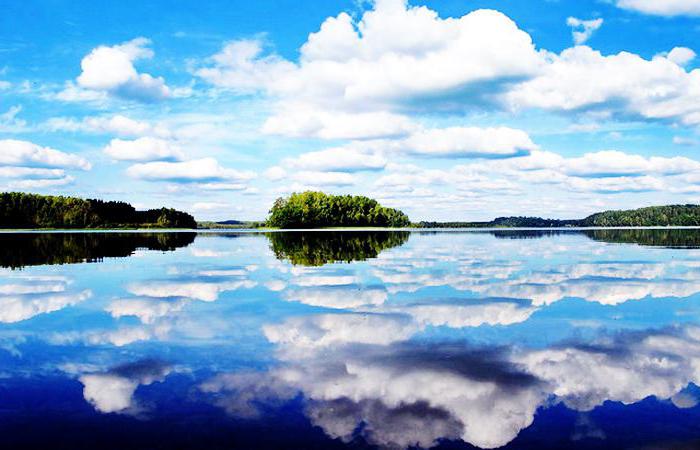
(315, 210)
(20, 210)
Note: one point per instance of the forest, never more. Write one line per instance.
(20, 210)
(652, 216)
(317, 210)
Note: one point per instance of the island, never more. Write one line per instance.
(21, 210)
(312, 209)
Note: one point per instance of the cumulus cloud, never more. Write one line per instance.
(196, 170)
(582, 30)
(24, 153)
(244, 67)
(681, 55)
(662, 7)
(111, 70)
(143, 149)
(624, 84)
(469, 142)
(355, 77)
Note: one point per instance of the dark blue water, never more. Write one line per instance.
(523, 340)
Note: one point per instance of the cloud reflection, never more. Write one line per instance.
(113, 391)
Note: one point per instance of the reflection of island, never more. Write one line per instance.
(31, 249)
(319, 248)
(653, 237)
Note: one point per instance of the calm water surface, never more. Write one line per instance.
(521, 339)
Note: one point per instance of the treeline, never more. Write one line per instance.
(20, 210)
(317, 210)
(504, 222)
(230, 225)
(653, 216)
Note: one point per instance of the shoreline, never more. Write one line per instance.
(331, 229)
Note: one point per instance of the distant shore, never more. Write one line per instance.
(329, 229)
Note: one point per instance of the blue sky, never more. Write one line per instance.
(445, 109)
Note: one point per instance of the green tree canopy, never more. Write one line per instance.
(20, 210)
(316, 210)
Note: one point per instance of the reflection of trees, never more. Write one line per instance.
(673, 238)
(526, 234)
(319, 248)
(31, 249)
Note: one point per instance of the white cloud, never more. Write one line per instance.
(118, 124)
(616, 185)
(681, 55)
(582, 30)
(623, 84)
(196, 170)
(31, 173)
(23, 153)
(111, 69)
(315, 178)
(10, 122)
(242, 66)
(613, 163)
(143, 149)
(354, 76)
(680, 140)
(299, 120)
(396, 53)
(663, 7)
(275, 173)
(469, 142)
(208, 206)
(337, 159)
(40, 183)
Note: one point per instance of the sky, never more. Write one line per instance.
(448, 110)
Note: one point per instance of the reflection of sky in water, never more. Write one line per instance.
(424, 339)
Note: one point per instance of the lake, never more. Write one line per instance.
(366, 339)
